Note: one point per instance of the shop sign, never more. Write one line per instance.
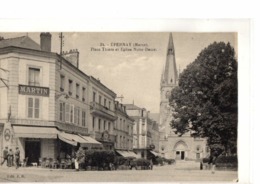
(33, 90)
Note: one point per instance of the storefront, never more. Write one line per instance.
(49, 142)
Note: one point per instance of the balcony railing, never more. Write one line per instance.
(101, 110)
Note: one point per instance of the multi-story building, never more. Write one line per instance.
(124, 131)
(171, 144)
(44, 105)
(102, 113)
(145, 133)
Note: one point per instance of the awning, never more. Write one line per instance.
(74, 139)
(127, 153)
(154, 153)
(122, 153)
(90, 141)
(132, 154)
(35, 132)
(68, 138)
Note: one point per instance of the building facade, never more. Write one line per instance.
(145, 133)
(102, 114)
(172, 145)
(43, 101)
(123, 129)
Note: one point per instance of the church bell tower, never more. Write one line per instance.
(169, 80)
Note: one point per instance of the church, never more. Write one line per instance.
(173, 146)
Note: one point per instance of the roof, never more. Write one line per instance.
(23, 42)
(132, 107)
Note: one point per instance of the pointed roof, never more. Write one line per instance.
(170, 45)
(170, 75)
(22, 42)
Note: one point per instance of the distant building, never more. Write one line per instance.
(171, 145)
(145, 131)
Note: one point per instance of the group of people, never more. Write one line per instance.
(11, 158)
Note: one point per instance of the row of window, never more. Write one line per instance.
(122, 142)
(101, 125)
(121, 124)
(71, 89)
(71, 114)
(101, 100)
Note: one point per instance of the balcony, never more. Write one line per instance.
(102, 111)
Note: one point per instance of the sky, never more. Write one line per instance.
(133, 74)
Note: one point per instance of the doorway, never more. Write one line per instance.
(32, 150)
(182, 155)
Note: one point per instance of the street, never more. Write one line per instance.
(168, 173)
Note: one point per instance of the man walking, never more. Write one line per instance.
(5, 156)
(17, 157)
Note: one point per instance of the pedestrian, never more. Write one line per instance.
(17, 157)
(80, 158)
(212, 161)
(5, 156)
(151, 164)
(10, 158)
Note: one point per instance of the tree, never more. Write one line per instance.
(205, 101)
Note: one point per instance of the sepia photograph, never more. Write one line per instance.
(119, 107)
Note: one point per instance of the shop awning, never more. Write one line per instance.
(68, 138)
(132, 154)
(127, 153)
(154, 153)
(90, 141)
(35, 132)
(74, 139)
(122, 153)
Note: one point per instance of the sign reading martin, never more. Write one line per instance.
(33, 90)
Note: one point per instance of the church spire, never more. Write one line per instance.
(170, 71)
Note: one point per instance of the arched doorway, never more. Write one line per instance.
(180, 150)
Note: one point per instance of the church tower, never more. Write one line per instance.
(171, 145)
(169, 80)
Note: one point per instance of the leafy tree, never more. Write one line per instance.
(205, 101)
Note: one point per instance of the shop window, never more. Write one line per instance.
(34, 76)
(33, 108)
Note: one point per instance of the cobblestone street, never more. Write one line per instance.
(159, 174)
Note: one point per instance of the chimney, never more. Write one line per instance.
(72, 56)
(45, 42)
